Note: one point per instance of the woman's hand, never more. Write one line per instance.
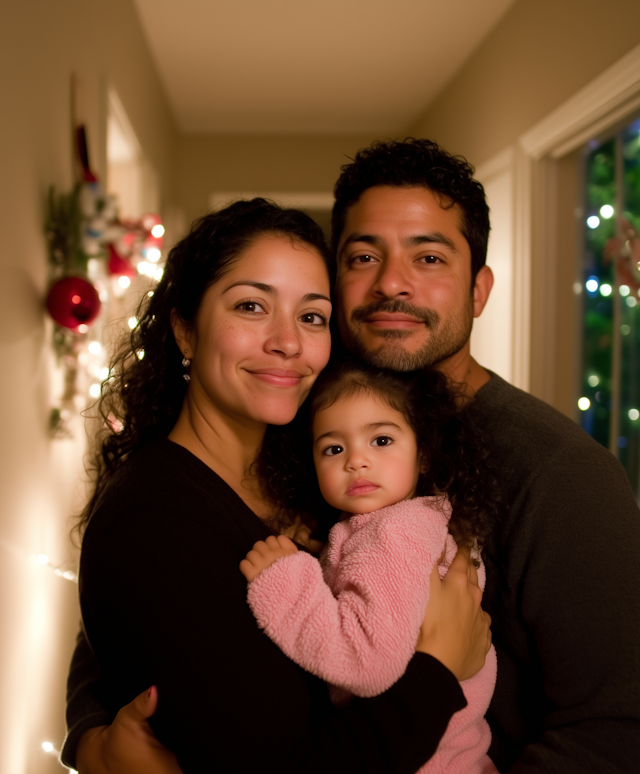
(128, 745)
(455, 629)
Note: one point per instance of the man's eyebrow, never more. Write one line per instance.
(369, 239)
(273, 291)
(371, 426)
(434, 237)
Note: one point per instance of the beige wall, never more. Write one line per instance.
(41, 44)
(539, 54)
(206, 164)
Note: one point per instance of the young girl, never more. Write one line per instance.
(388, 449)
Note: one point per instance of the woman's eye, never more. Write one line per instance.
(313, 318)
(331, 451)
(362, 258)
(253, 307)
(382, 440)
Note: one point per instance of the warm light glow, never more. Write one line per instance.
(577, 288)
(104, 374)
(625, 290)
(583, 404)
(132, 322)
(625, 330)
(70, 576)
(153, 254)
(634, 414)
(593, 221)
(47, 747)
(83, 328)
(591, 284)
(157, 231)
(75, 299)
(140, 354)
(146, 268)
(150, 294)
(95, 347)
(631, 301)
(94, 390)
(42, 559)
(157, 274)
(124, 281)
(605, 290)
(606, 211)
(593, 380)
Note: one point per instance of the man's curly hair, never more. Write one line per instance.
(416, 163)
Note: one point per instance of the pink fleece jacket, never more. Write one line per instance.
(357, 626)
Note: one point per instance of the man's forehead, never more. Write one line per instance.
(418, 210)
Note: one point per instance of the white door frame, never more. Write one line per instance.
(602, 103)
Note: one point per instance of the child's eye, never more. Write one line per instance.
(382, 440)
(331, 451)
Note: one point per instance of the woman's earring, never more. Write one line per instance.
(186, 363)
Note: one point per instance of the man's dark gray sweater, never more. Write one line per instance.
(563, 590)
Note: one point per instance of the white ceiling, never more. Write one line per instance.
(310, 66)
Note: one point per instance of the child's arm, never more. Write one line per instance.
(264, 553)
(363, 637)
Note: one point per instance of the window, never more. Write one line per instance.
(610, 380)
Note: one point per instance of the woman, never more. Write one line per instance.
(230, 343)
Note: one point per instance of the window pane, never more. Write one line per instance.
(598, 282)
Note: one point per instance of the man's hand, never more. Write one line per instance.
(128, 745)
(264, 553)
(456, 629)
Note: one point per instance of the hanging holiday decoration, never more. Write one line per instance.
(88, 244)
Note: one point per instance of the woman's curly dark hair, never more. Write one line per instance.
(416, 163)
(143, 395)
(454, 459)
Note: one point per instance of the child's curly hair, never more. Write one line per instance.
(454, 459)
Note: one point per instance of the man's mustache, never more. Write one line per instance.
(427, 316)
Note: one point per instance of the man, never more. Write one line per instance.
(410, 232)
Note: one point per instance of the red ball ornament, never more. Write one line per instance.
(72, 302)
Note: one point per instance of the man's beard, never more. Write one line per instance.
(445, 340)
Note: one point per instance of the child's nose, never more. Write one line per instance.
(357, 461)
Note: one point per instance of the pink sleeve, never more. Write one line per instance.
(361, 635)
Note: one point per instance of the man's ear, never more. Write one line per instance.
(183, 334)
(482, 289)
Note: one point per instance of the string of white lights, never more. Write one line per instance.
(69, 575)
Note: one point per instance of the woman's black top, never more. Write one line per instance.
(164, 603)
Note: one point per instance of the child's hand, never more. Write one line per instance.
(264, 553)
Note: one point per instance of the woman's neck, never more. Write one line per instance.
(226, 445)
